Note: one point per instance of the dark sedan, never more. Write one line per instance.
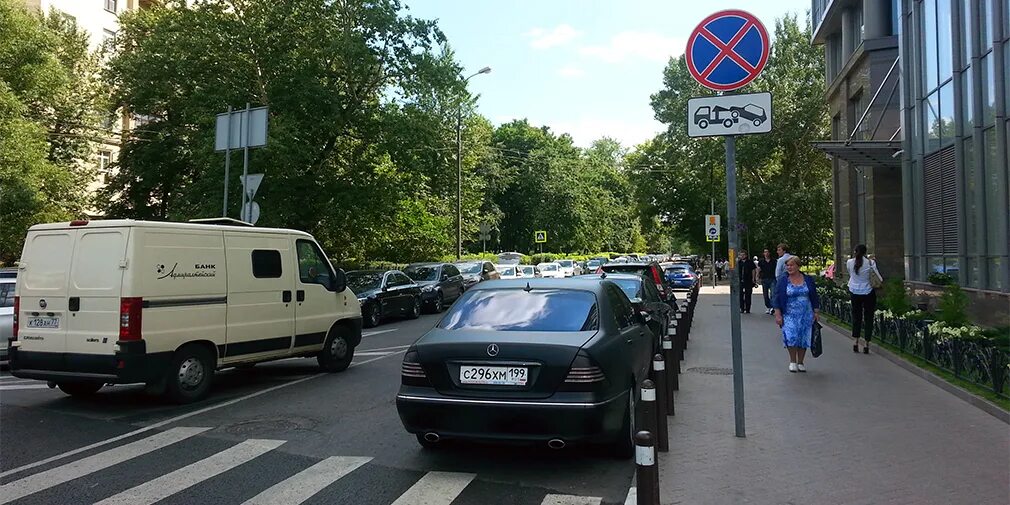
(645, 298)
(477, 271)
(649, 270)
(383, 294)
(551, 361)
(441, 284)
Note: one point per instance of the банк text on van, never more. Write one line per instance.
(166, 304)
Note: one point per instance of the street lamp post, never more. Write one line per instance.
(459, 168)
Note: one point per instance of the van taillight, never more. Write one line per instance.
(17, 308)
(130, 318)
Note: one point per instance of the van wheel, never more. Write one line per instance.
(415, 311)
(80, 388)
(191, 373)
(336, 355)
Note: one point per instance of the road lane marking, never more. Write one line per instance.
(190, 475)
(395, 347)
(436, 488)
(632, 498)
(378, 353)
(9, 377)
(370, 333)
(305, 484)
(175, 419)
(56, 476)
(17, 387)
(566, 499)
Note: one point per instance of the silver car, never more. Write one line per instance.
(6, 316)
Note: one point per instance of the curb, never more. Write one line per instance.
(980, 403)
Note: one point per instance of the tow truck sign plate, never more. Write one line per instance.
(729, 115)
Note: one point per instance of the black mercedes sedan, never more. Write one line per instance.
(551, 361)
(441, 284)
(645, 298)
(384, 294)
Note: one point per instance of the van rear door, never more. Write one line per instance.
(42, 288)
(96, 283)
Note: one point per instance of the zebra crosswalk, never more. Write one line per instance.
(218, 463)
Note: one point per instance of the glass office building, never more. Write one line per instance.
(949, 143)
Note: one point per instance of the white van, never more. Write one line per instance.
(166, 304)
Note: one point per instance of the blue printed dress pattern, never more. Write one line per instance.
(798, 320)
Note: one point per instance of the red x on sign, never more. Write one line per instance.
(727, 50)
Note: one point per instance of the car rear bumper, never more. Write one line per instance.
(424, 410)
(132, 364)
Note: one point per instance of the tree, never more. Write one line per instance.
(50, 110)
(783, 183)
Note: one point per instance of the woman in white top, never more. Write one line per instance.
(864, 297)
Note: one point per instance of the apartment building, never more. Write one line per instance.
(918, 93)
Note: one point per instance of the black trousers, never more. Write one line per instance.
(863, 307)
(767, 289)
(745, 296)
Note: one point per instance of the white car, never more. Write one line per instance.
(6, 315)
(529, 271)
(509, 271)
(552, 270)
(570, 268)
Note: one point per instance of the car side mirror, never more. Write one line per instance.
(644, 317)
(445, 277)
(339, 281)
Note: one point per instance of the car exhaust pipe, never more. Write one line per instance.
(556, 444)
(432, 437)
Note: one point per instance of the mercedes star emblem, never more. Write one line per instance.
(492, 350)
(42, 303)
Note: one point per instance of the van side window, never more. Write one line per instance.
(312, 266)
(266, 264)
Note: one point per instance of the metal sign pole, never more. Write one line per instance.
(734, 282)
(245, 214)
(712, 268)
(227, 165)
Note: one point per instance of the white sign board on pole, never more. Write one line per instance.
(712, 227)
(729, 115)
(255, 121)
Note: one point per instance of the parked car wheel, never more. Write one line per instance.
(624, 447)
(80, 388)
(337, 353)
(415, 311)
(372, 317)
(439, 304)
(191, 374)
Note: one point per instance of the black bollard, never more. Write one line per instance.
(646, 470)
(659, 378)
(647, 419)
(673, 374)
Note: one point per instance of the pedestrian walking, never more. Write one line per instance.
(780, 265)
(748, 278)
(863, 274)
(766, 274)
(797, 307)
(719, 266)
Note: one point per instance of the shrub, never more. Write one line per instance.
(953, 306)
(940, 279)
(895, 298)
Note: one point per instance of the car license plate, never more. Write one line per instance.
(493, 375)
(51, 323)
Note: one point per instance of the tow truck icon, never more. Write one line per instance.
(729, 116)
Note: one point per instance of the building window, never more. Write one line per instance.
(965, 39)
(940, 192)
(931, 122)
(967, 102)
(110, 5)
(104, 165)
(944, 43)
(948, 123)
(929, 63)
(988, 89)
(971, 198)
(986, 23)
(996, 210)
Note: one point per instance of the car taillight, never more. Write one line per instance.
(584, 375)
(17, 309)
(411, 372)
(130, 318)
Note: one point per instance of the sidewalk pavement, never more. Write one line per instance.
(854, 429)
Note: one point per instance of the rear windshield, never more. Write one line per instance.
(507, 270)
(549, 267)
(470, 268)
(6, 294)
(363, 281)
(422, 273)
(559, 310)
(626, 269)
(631, 287)
(566, 263)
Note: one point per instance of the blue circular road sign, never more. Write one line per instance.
(727, 50)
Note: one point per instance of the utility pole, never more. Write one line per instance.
(459, 168)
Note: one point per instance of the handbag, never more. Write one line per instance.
(875, 281)
(815, 340)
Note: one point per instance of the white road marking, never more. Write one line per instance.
(395, 347)
(56, 476)
(566, 499)
(18, 387)
(436, 488)
(377, 332)
(9, 377)
(305, 484)
(632, 496)
(377, 353)
(190, 475)
(175, 419)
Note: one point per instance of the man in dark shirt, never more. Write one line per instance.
(746, 269)
(766, 272)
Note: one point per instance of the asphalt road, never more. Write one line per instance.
(280, 432)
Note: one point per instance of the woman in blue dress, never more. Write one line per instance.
(797, 307)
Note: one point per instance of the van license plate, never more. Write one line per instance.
(51, 323)
(493, 375)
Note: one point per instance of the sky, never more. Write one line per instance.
(582, 67)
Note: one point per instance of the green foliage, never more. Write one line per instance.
(49, 110)
(940, 279)
(895, 297)
(953, 306)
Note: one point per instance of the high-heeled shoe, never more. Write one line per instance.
(855, 348)
(866, 350)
